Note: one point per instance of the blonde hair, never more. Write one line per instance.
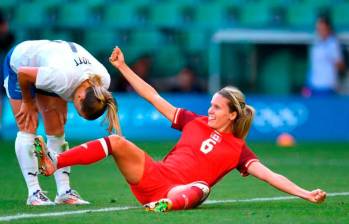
(245, 113)
(97, 100)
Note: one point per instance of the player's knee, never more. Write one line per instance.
(117, 143)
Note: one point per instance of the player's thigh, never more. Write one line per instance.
(16, 106)
(129, 158)
(54, 113)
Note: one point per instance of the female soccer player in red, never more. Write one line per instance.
(209, 148)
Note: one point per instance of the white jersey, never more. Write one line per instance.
(324, 56)
(62, 66)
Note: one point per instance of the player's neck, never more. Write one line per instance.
(82, 87)
(227, 129)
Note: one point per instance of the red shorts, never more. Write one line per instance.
(154, 185)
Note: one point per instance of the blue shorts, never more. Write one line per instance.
(13, 91)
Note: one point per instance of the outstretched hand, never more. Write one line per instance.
(117, 58)
(317, 196)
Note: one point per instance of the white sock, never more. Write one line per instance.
(27, 160)
(57, 144)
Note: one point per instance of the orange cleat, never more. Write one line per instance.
(45, 162)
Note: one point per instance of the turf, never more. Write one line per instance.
(310, 165)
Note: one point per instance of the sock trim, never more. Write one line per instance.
(104, 146)
(107, 140)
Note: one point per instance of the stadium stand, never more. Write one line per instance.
(148, 26)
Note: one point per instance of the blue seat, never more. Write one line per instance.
(8, 5)
(74, 15)
(166, 15)
(50, 34)
(256, 15)
(100, 39)
(210, 16)
(339, 15)
(24, 19)
(301, 16)
(148, 40)
(49, 4)
(195, 40)
(168, 60)
(121, 15)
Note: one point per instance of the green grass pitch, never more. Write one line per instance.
(310, 165)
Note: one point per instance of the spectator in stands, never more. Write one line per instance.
(326, 60)
(142, 66)
(185, 81)
(7, 39)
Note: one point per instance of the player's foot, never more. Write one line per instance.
(45, 162)
(163, 205)
(70, 197)
(39, 198)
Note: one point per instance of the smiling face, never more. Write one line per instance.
(219, 116)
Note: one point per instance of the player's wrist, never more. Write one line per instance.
(122, 65)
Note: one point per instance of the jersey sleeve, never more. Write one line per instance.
(182, 117)
(247, 157)
(50, 80)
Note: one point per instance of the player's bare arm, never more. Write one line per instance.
(141, 87)
(280, 182)
(28, 114)
(26, 78)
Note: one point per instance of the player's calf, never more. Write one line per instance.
(188, 196)
(181, 197)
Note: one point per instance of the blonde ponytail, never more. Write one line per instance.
(245, 113)
(97, 100)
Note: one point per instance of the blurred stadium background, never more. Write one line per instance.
(260, 46)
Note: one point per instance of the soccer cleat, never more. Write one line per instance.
(163, 205)
(70, 197)
(38, 198)
(45, 162)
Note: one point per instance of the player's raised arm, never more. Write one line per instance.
(280, 182)
(141, 87)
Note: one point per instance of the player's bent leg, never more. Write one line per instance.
(65, 194)
(28, 162)
(84, 154)
(129, 158)
(181, 197)
(54, 113)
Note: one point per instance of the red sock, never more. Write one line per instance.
(83, 154)
(187, 198)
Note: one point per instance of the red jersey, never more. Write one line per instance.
(202, 153)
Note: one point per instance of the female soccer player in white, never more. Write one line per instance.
(42, 76)
(209, 147)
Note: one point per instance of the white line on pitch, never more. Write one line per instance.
(112, 209)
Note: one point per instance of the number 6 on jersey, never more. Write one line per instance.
(207, 145)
